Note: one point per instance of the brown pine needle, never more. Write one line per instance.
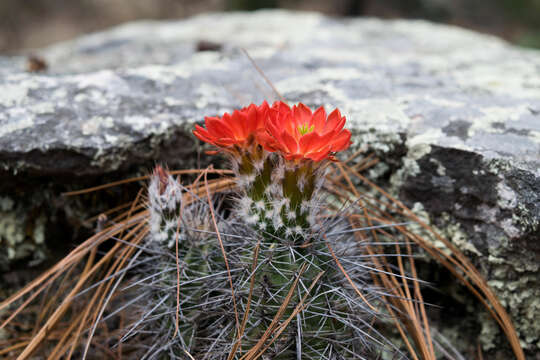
(14, 347)
(479, 352)
(138, 234)
(72, 258)
(424, 343)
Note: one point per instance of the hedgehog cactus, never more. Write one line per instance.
(291, 298)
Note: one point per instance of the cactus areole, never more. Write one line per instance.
(279, 155)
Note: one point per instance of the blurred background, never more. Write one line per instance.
(35, 23)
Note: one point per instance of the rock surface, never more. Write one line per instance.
(454, 115)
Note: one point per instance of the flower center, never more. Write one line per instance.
(304, 129)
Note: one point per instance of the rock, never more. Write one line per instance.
(454, 115)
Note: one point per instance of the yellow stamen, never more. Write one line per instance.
(304, 129)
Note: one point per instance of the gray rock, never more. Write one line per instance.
(454, 115)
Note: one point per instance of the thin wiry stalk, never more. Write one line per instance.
(263, 75)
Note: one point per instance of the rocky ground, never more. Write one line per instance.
(453, 115)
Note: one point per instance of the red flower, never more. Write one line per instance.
(295, 132)
(300, 134)
(239, 129)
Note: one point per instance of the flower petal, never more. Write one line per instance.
(318, 120)
(202, 134)
(295, 132)
(334, 121)
(218, 127)
(341, 141)
(290, 142)
(237, 125)
(323, 142)
(267, 141)
(318, 156)
(310, 142)
(301, 115)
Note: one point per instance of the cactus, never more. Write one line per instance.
(291, 290)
